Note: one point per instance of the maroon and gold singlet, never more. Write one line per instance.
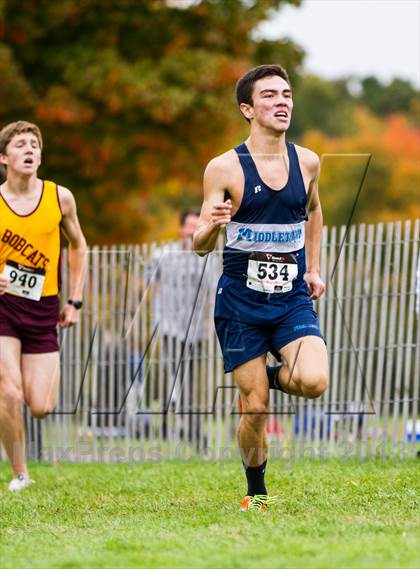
(30, 258)
(33, 241)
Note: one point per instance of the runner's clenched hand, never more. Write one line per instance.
(221, 213)
(315, 284)
(69, 316)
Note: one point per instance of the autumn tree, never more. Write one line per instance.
(133, 97)
(391, 187)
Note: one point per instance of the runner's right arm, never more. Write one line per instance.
(215, 212)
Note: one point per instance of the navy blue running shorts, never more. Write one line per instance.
(251, 323)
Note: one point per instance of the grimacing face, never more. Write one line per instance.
(272, 104)
(23, 154)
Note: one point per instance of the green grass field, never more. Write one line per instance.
(333, 514)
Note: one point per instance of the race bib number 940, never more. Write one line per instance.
(26, 282)
(271, 272)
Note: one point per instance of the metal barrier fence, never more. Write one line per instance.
(142, 373)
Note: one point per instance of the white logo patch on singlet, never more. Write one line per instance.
(270, 238)
(26, 282)
(271, 273)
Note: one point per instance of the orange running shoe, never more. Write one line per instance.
(258, 503)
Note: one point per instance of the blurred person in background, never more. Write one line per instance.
(178, 294)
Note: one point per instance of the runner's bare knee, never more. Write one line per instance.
(314, 384)
(41, 411)
(10, 394)
(255, 410)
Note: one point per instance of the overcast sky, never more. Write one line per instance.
(354, 37)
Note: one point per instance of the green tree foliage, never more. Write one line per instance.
(398, 96)
(133, 97)
(322, 105)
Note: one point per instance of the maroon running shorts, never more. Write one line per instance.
(34, 323)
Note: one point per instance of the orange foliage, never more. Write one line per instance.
(392, 186)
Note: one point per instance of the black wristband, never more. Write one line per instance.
(77, 304)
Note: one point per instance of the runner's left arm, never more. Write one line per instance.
(313, 233)
(77, 254)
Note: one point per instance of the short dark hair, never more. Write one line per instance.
(245, 85)
(184, 213)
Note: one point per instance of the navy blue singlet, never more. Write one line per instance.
(267, 220)
(269, 225)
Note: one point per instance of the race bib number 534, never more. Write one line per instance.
(271, 272)
(26, 282)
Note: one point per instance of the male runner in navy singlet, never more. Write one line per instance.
(265, 193)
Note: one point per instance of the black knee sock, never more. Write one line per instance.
(255, 478)
(273, 377)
